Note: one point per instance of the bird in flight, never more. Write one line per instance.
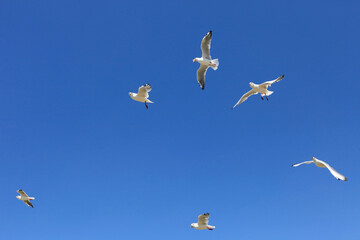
(203, 222)
(259, 88)
(323, 164)
(205, 60)
(25, 198)
(142, 95)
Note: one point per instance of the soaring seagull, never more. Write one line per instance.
(323, 164)
(142, 95)
(261, 88)
(25, 198)
(205, 60)
(202, 222)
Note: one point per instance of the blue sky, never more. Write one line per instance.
(102, 166)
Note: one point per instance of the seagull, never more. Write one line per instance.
(205, 60)
(203, 222)
(142, 95)
(25, 198)
(261, 88)
(323, 164)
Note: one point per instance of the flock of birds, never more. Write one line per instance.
(205, 62)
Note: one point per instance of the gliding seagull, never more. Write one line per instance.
(323, 164)
(203, 222)
(205, 60)
(142, 95)
(25, 198)
(261, 88)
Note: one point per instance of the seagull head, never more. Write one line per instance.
(18, 197)
(130, 94)
(251, 84)
(192, 225)
(195, 59)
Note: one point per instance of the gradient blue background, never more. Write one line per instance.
(101, 166)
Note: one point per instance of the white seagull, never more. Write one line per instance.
(142, 95)
(203, 222)
(323, 164)
(261, 88)
(25, 198)
(205, 60)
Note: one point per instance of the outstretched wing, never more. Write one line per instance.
(204, 219)
(245, 96)
(22, 193)
(27, 202)
(268, 83)
(205, 45)
(337, 175)
(201, 73)
(298, 164)
(143, 90)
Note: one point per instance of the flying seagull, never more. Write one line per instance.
(323, 164)
(261, 88)
(25, 198)
(205, 60)
(142, 95)
(203, 222)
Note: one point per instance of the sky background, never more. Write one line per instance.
(101, 166)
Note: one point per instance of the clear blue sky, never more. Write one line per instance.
(101, 166)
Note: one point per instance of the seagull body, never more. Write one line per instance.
(25, 198)
(142, 95)
(259, 88)
(202, 224)
(205, 60)
(323, 164)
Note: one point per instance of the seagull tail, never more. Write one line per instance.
(216, 61)
(268, 93)
(31, 198)
(148, 101)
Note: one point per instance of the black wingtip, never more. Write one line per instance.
(283, 75)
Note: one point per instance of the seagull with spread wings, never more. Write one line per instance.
(259, 88)
(323, 164)
(25, 198)
(203, 222)
(205, 60)
(142, 95)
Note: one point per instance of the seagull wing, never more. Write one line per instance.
(204, 219)
(143, 90)
(298, 164)
(268, 83)
(205, 45)
(22, 193)
(337, 175)
(201, 72)
(245, 96)
(27, 202)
